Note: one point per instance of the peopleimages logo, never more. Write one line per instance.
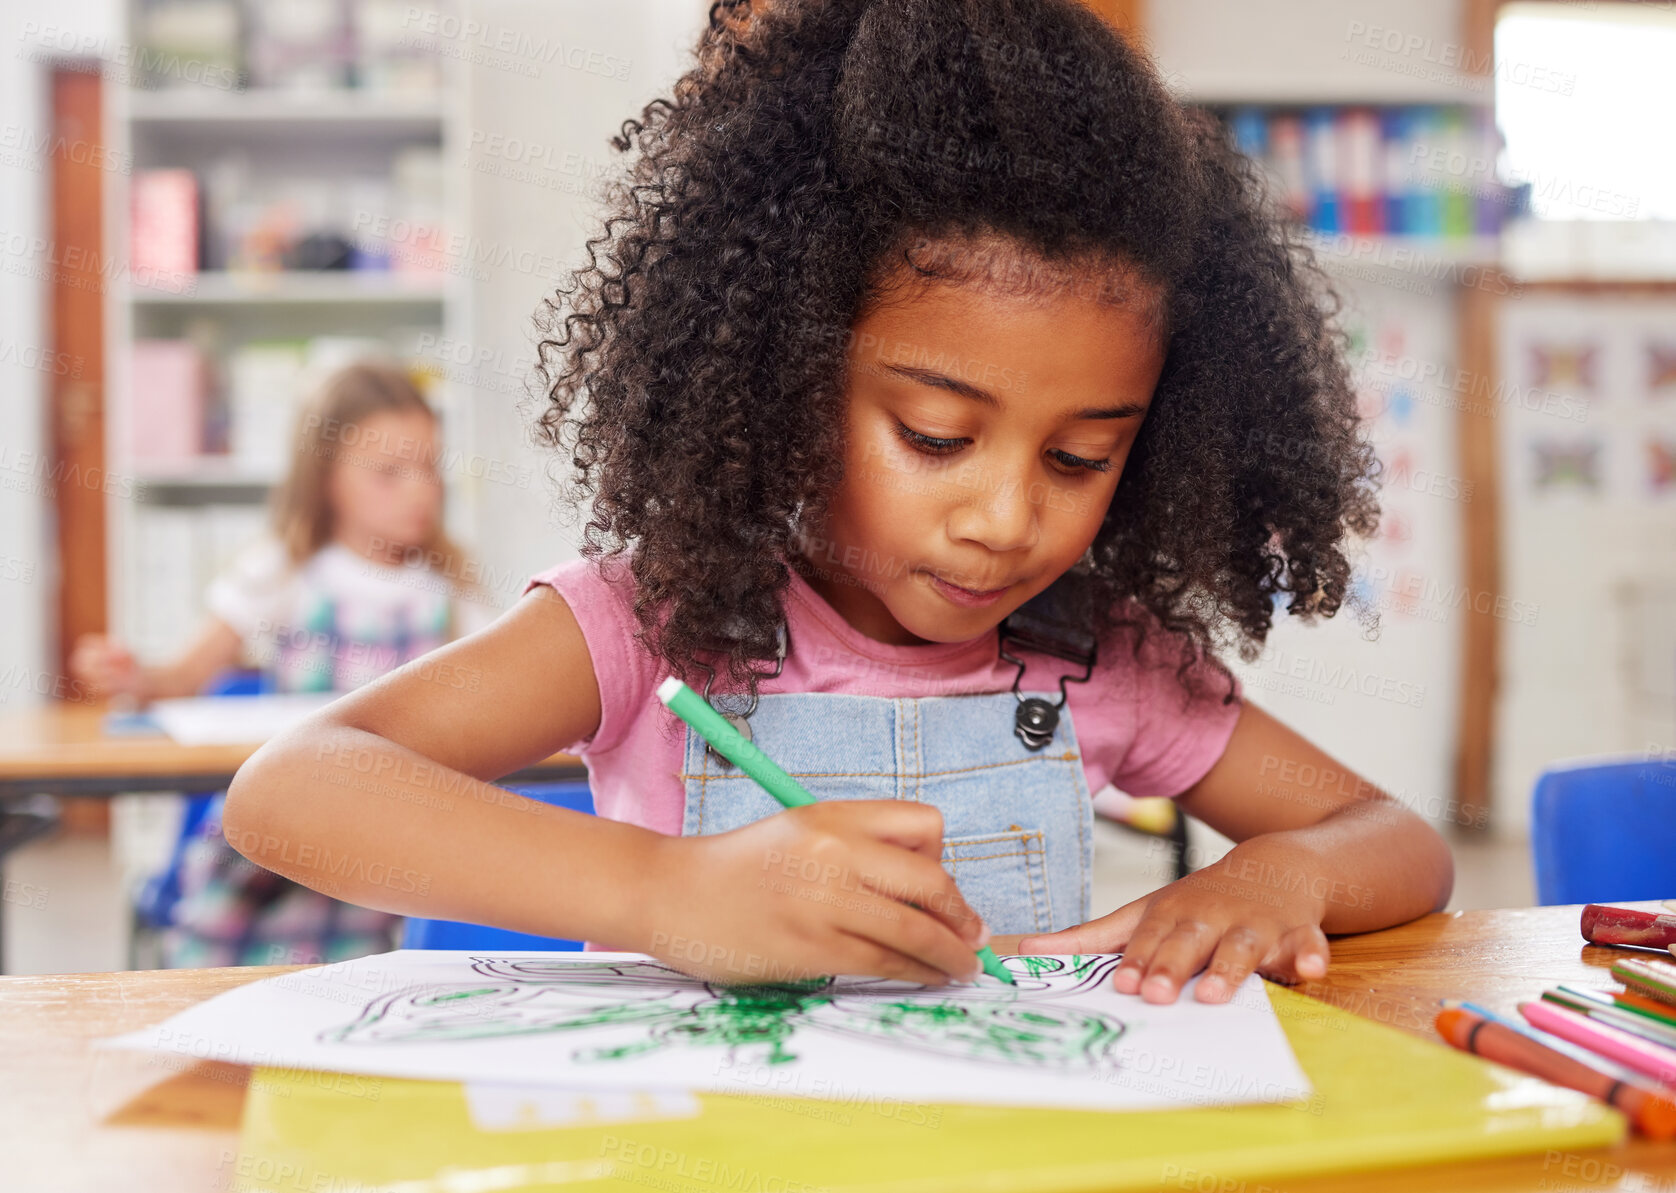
(82, 268)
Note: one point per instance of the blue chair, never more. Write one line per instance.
(1605, 833)
(451, 934)
(154, 904)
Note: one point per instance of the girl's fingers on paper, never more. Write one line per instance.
(1236, 956)
(1108, 934)
(1301, 954)
(1180, 955)
(1139, 950)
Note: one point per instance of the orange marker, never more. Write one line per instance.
(1649, 1111)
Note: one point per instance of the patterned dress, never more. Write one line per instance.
(331, 625)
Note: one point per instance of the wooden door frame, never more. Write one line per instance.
(80, 272)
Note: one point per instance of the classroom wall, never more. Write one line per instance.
(93, 900)
(26, 548)
(1308, 49)
(1383, 701)
(536, 146)
(1589, 521)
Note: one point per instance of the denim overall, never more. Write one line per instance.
(1018, 823)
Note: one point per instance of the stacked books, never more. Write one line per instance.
(1422, 171)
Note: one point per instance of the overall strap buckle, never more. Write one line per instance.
(739, 720)
(1047, 624)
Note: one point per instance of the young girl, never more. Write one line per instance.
(357, 579)
(945, 393)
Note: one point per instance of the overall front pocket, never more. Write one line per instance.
(1004, 877)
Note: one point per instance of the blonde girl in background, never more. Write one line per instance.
(356, 578)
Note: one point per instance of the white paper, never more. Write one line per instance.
(234, 720)
(626, 1023)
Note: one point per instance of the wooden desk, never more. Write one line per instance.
(62, 749)
(72, 1119)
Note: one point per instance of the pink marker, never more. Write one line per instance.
(1644, 1056)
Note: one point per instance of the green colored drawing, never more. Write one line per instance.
(641, 1008)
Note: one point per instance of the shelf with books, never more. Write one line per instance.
(292, 216)
(1375, 132)
(206, 472)
(1416, 172)
(307, 287)
(338, 112)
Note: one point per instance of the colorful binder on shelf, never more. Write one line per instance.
(1383, 1098)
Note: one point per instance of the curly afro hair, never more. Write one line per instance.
(694, 369)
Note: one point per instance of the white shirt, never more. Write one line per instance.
(338, 620)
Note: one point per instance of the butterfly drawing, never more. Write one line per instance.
(1573, 464)
(1661, 465)
(634, 1008)
(1564, 366)
(1661, 369)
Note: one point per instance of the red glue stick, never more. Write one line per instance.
(1624, 925)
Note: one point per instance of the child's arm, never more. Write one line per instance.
(1320, 850)
(380, 799)
(107, 667)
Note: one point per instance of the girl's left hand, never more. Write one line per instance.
(1210, 920)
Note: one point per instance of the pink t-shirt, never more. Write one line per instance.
(1137, 728)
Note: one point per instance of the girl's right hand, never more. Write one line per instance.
(823, 889)
(105, 666)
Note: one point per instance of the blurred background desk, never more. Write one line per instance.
(63, 749)
(59, 750)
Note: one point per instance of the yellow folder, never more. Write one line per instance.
(1383, 1098)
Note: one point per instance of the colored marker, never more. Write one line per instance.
(709, 724)
(1608, 1009)
(1623, 1002)
(1653, 1060)
(1653, 979)
(1565, 1048)
(1625, 925)
(1652, 1008)
(1651, 1113)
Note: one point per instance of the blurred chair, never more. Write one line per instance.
(154, 903)
(1154, 817)
(24, 820)
(451, 934)
(1605, 832)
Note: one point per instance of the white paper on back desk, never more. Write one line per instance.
(1062, 1037)
(234, 720)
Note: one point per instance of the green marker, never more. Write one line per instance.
(731, 744)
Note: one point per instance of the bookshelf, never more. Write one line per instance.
(1596, 676)
(346, 113)
(349, 158)
(338, 288)
(1417, 295)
